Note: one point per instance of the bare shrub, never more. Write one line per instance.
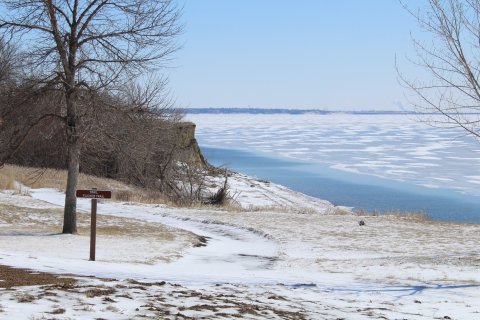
(188, 185)
(222, 196)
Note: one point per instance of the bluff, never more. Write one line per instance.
(187, 144)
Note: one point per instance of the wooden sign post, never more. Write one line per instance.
(93, 194)
(93, 229)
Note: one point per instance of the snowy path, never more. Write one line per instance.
(231, 253)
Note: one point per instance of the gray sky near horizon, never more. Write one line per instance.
(335, 55)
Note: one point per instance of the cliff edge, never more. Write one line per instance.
(188, 146)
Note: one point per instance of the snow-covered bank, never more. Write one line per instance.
(271, 263)
(255, 194)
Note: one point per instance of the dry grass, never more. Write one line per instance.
(140, 195)
(50, 220)
(17, 216)
(6, 181)
(339, 211)
(52, 178)
(15, 277)
(233, 206)
(99, 291)
(25, 298)
(414, 216)
(58, 311)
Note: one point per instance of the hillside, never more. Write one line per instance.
(275, 254)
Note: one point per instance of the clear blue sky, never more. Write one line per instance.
(329, 54)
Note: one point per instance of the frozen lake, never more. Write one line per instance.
(365, 161)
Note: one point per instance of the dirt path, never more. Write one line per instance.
(14, 277)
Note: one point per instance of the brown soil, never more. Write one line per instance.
(13, 277)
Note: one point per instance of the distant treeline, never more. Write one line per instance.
(281, 111)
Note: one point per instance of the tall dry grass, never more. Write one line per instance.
(12, 175)
(7, 182)
(51, 178)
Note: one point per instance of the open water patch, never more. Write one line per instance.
(350, 189)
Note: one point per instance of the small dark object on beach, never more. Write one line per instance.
(361, 223)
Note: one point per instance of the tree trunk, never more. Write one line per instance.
(70, 211)
(73, 164)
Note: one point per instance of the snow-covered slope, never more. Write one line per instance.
(294, 259)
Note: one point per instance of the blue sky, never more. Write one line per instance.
(334, 55)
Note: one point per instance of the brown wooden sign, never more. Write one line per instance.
(94, 194)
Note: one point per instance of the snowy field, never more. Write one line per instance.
(286, 256)
(396, 147)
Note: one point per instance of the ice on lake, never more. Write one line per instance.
(391, 146)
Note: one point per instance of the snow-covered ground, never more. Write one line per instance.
(293, 259)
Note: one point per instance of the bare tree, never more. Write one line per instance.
(450, 59)
(84, 46)
(7, 62)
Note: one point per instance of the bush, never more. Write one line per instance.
(221, 197)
